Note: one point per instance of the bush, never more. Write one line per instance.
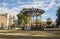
(49, 26)
(12, 26)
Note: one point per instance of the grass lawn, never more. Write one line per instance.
(32, 33)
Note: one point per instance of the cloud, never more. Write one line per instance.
(14, 11)
(50, 5)
(20, 2)
(35, 3)
(59, 4)
(40, 4)
(44, 15)
(58, 0)
(3, 10)
(3, 4)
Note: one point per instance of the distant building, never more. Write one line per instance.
(6, 20)
(2, 21)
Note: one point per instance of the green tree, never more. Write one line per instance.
(49, 21)
(27, 18)
(58, 17)
(13, 26)
(24, 17)
(21, 18)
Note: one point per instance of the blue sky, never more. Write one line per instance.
(15, 6)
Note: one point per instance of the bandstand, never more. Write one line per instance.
(36, 19)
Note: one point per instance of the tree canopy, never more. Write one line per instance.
(58, 17)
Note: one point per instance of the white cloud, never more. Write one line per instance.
(58, 0)
(59, 4)
(19, 2)
(44, 15)
(36, 4)
(12, 11)
(33, 4)
(39, 4)
(3, 10)
(44, 20)
(4, 4)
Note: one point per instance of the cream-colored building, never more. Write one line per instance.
(2, 21)
(6, 20)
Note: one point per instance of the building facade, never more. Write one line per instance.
(6, 20)
(2, 21)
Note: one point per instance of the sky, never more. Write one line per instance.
(13, 7)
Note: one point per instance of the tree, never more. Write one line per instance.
(13, 26)
(2, 25)
(21, 18)
(24, 17)
(58, 17)
(27, 15)
(49, 21)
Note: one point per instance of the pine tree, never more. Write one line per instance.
(58, 18)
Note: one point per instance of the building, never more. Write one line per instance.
(6, 20)
(2, 21)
